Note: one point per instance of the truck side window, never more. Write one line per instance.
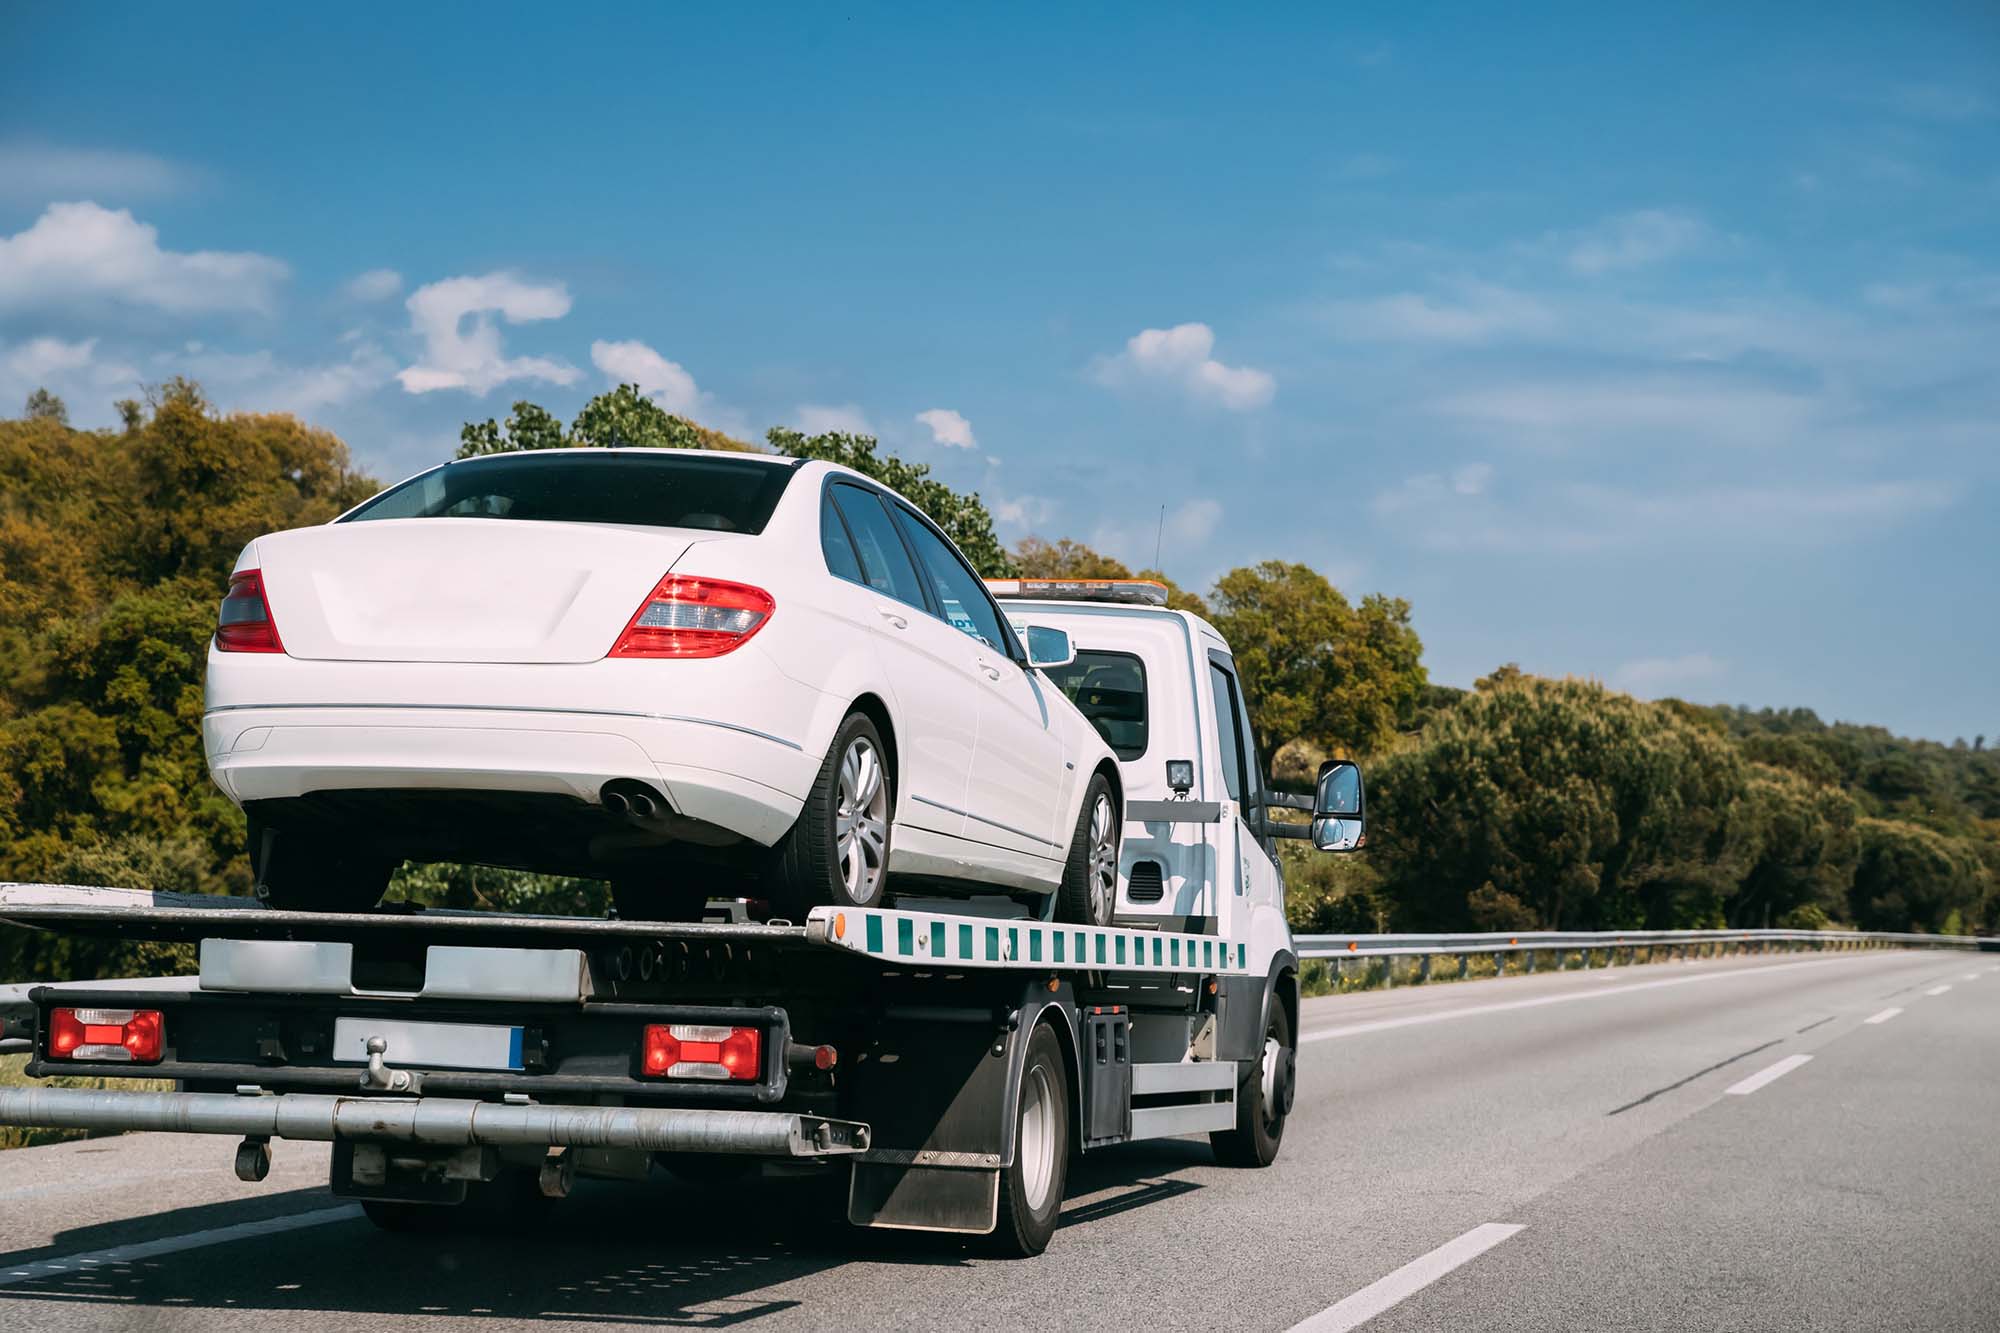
(834, 543)
(1110, 690)
(885, 561)
(1228, 730)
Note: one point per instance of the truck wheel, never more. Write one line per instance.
(837, 854)
(298, 873)
(1263, 1098)
(1089, 892)
(1031, 1190)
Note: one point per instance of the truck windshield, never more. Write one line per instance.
(720, 493)
(1110, 690)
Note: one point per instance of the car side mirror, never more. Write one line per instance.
(1338, 823)
(1048, 647)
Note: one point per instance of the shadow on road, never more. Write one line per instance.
(655, 1253)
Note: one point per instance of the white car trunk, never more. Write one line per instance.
(461, 589)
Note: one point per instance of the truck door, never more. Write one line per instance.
(1245, 860)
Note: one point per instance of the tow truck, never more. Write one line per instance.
(947, 1057)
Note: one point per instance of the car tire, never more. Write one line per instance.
(1263, 1098)
(1031, 1188)
(295, 872)
(1089, 892)
(837, 854)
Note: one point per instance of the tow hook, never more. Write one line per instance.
(378, 1077)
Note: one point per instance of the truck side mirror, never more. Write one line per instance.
(1338, 823)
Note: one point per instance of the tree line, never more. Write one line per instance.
(1522, 802)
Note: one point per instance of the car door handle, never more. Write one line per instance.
(894, 616)
(992, 672)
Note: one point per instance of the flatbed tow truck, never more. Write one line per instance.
(949, 1062)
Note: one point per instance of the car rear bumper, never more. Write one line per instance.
(749, 782)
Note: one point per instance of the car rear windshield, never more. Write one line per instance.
(1110, 690)
(615, 486)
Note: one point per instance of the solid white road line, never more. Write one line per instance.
(1763, 1076)
(1970, 976)
(1937, 990)
(1406, 1281)
(1884, 1016)
(1504, 1006)
(193, 1240)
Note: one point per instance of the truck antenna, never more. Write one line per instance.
(1159, 532)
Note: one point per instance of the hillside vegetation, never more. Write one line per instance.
(1523, 802)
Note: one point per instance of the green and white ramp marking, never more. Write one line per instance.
(929, 939)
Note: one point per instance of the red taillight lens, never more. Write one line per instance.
(244, 624)
(129, 1036)
(691, 1050)
(690, 617)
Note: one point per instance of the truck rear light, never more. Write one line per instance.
(132, 1036)
(693, 617)
(692, 1050)
(244, 624)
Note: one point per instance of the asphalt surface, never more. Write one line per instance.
(1559, 1151)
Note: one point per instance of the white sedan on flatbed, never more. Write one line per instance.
(676, 670)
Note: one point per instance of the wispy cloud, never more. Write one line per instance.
(1182, 356)
(1651, 677)
(39, 173)
(462, 347)
(831, 419)
(1635, 240)
(665, 382)
(377, 284)
(1938, 101)
(82, 253)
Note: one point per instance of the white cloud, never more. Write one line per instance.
(1617, 412)
(42, 358)
(1654, 676)
(1022, 513)
(1472, 479)
(1181, 356)
(830, 419)
(470, 358)
(948, 428)
(377, 284)
(1194, 522)
(39, 172)
(81, 252)
(72, 371)
(1634, 240)
(664, 381)
(1474, 313)
(1172, 534)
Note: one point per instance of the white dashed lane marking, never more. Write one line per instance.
(1406, 1281)
(1767, 1076)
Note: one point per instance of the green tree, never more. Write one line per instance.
(963, 516)
(620, 417)
(1315, 667)
(45, 406)
(1065, 559)
(1912, 878)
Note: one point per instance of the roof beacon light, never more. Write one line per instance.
(1132, 592)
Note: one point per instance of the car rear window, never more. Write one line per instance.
(720, 493)
(1110, 690)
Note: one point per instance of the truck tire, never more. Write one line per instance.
(1031, 1189)
(837, 854)
(1089, 892)
(296, 872)
(1263, 1099)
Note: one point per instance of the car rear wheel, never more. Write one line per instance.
(1089, 892)
(297, 872)
(837, 854)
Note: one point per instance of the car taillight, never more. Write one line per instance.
(692, 617)
(244, 624)
(133, 1036)
(692, 1050)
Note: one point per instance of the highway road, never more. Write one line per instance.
(1761, 1143)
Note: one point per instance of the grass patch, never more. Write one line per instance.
(13, 1075)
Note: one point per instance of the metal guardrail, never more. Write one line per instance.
(1679, 944)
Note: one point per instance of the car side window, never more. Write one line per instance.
(1229, 730)
(835, 544)
(885, 563)
(961, 598)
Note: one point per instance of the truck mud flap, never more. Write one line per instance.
(907, 1197)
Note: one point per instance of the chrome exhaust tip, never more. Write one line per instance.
(644, 806)
(616, 803)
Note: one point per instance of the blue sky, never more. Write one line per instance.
(1661, 347)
